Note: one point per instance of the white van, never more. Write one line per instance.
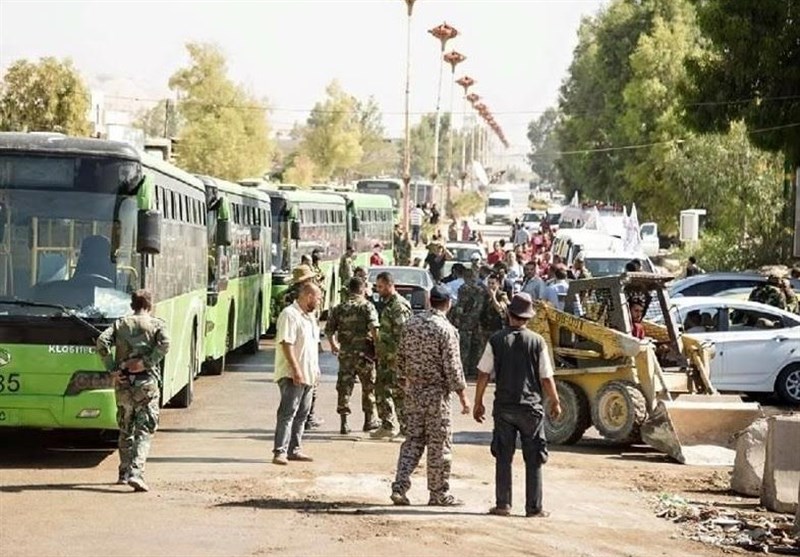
(499, 207)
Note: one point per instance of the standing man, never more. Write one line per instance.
(430, 369)
(435, 260)
(532, 285)
(352, 329)
(376, 260)
(296, 372)
(346, 269)
(140, 342)
(472, 299)
(388, 395)
(402, 248)
(519, 361)
(415, 219)
(770, 292)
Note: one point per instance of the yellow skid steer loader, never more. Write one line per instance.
(655, 390)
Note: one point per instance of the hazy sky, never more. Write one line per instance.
(288, 50)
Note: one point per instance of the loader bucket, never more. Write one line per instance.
(699, 429)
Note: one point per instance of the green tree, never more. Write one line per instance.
(332, 137)
(379, 155)
(162, 120)
(225, 132)
(422, 145)
(300, 171)
(48, 95)
(544, 146)
(749, 72)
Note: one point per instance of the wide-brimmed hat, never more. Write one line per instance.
(521, 306)
(302, 273)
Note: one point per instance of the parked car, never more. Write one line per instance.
(532, 220)
(711, 284)
(757, 347)
(412, 283)
(462, 253)
(605, 263)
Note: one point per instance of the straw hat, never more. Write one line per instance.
(302, 273)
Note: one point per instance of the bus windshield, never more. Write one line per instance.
(67, 235)
(392, 189)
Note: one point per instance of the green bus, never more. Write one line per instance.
(370, 220)
(303, 221)
(83, 223)
(420, 192)
(239, 270)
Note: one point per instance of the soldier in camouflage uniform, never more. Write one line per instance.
(352, 329)
(770, 293)
(430, 369)
(140, 342)
(402, 249)
(466, 316)
(388, 395)
(791, 296)
(346, 270)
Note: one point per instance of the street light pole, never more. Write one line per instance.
(444, 33)
(454, 59)
(407, 153)
(466, 82)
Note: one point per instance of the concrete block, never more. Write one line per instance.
(748, 468)
(779, 491)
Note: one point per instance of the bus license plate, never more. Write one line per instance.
(9, 417)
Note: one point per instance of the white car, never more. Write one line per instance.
(757, 347)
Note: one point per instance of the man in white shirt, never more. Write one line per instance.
(522, 237)
(296, 371)
(532, 285)
(415, 218)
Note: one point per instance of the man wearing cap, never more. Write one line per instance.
(770, 292)
(429, 369)
(519, 361)
(579, 270)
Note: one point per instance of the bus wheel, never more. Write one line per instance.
(253, 345)
(184, 397)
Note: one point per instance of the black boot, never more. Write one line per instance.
(345, 427)
(370, 422)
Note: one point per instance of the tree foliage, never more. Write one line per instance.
(162, 120)
(225, 133)
(750, 72)
(544, 146)
(379, 157)
(332, 136)
(300, 171)
(48, 95)
(423, 139)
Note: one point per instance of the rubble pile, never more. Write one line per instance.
(725, 527)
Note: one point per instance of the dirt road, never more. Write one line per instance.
(215, 492)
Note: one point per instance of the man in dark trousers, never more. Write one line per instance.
(519, 361)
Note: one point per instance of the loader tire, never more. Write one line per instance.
(618, 412)
(575, 416)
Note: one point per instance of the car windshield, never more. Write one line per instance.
(604, 266)
(464, 253)
(411, 276)
(499, 202)
(532, 217)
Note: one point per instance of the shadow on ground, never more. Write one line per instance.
(52, 450)
(351, 508)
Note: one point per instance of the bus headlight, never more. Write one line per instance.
(88, 381)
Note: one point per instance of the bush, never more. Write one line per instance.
(466, 204)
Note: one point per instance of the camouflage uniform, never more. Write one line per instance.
(473, 297)
(345, 274)
(352, 322)
(430, 367)
(402, 251)
(144, 337)
(388, 396)
(791, 299)
(770, 294)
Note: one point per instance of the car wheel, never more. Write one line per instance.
(788, 385)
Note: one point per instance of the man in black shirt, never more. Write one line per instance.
(434, 261)
(519, 361)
